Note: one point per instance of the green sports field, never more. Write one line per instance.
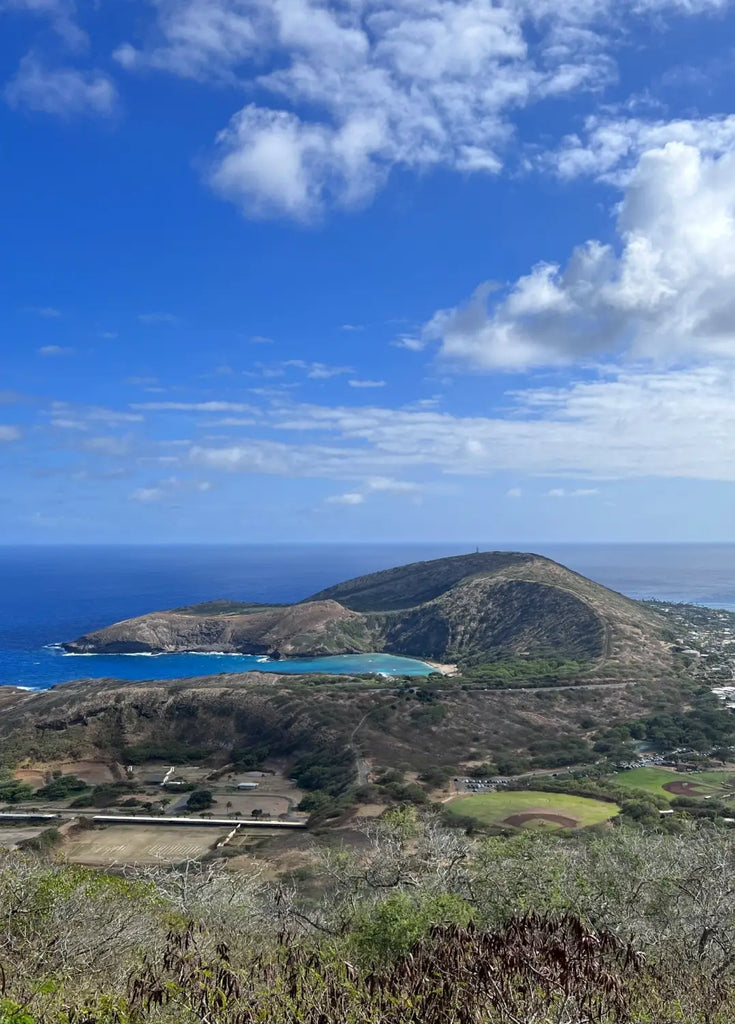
(670, 784)
(530, 809)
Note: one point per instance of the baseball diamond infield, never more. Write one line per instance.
(670, 784)
(532, 809)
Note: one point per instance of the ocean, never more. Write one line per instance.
(52, 594)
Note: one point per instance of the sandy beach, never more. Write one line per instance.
(446, 670)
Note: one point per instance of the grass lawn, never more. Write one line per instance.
(496, 808)
(653, 780)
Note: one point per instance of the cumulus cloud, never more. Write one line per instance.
(356, 383)
(609, 148)
(54, 350)
(9, 432)
(663, 291)
(64, 91)
(390, 83)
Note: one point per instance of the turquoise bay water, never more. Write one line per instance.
(42, 669)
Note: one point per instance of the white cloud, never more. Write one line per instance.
(47, 312)
(409, 83)
(351, 498)
(213, 406)
(409, 342)
(9, 432)
(260, 339)
(146, 494)
(171, 487)
(67, 423)
(366, 383)
(317, 371)
(514, 492)
(610, 147)
(663, 292)
(234, 421)
(577, 492)
(622, 425)
(54, 350)
(386, 483)
(76, 417)
(67, 91)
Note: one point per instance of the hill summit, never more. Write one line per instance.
(484, 605)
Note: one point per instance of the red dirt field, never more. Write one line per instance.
(92, 772)
(557, 819)
(679, 788)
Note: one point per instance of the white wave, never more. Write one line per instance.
(113, 654)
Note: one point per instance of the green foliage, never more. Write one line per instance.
(104, 795)
(415, 925)
(599, 789)
(436, 777)
(560, 751)
(14, 792)
(702, 728)
(13, 1013)
(61, 788)
(431, 714)
(248, 759)
(406, 792)
(200, 800)
(512, 764)
(641, 811)
(510, 672)
(42, 844)
(391, 928)
(330, 769)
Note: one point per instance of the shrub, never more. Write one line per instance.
(14, 792)
(200, 800)
(62, 787)
(395, 925)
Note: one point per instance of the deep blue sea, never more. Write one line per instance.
(51, 594)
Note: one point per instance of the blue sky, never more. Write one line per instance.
(367, 270)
